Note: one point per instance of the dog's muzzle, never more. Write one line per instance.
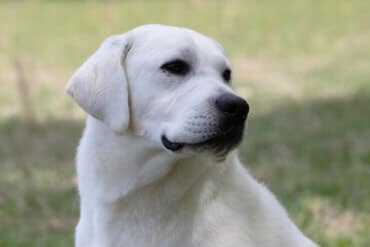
(232, 112)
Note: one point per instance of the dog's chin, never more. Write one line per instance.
(219, 145)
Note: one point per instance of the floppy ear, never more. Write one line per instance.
(100, 85)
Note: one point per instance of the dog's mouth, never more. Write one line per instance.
(173, 146)
(220, 144)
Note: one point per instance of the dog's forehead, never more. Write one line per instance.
(178, 40)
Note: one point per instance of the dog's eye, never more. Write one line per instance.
(227, 75)
(177, 67)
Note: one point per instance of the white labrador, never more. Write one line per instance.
(157, 165)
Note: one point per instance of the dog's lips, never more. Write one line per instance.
(173, 146)
(221, 143)
(176, 146)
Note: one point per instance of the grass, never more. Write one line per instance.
(303, 66)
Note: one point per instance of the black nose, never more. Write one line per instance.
(232, 106)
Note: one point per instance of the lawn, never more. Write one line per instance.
(303, 66)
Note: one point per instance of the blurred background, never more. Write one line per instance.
(303, 65)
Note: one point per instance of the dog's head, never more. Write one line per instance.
(169, 85)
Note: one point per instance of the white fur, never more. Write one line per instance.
(136, 193)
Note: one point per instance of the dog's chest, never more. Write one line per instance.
(146, 223)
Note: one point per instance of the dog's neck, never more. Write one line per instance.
(119, 165)
(128, 183)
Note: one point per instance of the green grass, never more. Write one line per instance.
(303, 66)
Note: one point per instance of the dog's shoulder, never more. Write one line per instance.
(245, 211)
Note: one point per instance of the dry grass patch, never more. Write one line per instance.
(264, 75)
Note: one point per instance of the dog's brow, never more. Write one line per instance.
(182, 54)
(221, 63)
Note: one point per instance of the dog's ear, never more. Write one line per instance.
(100, 85)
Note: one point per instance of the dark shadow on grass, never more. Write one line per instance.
(52, 143)
(38, 197)
(313, 148)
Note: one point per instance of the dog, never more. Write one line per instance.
(157, 164)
